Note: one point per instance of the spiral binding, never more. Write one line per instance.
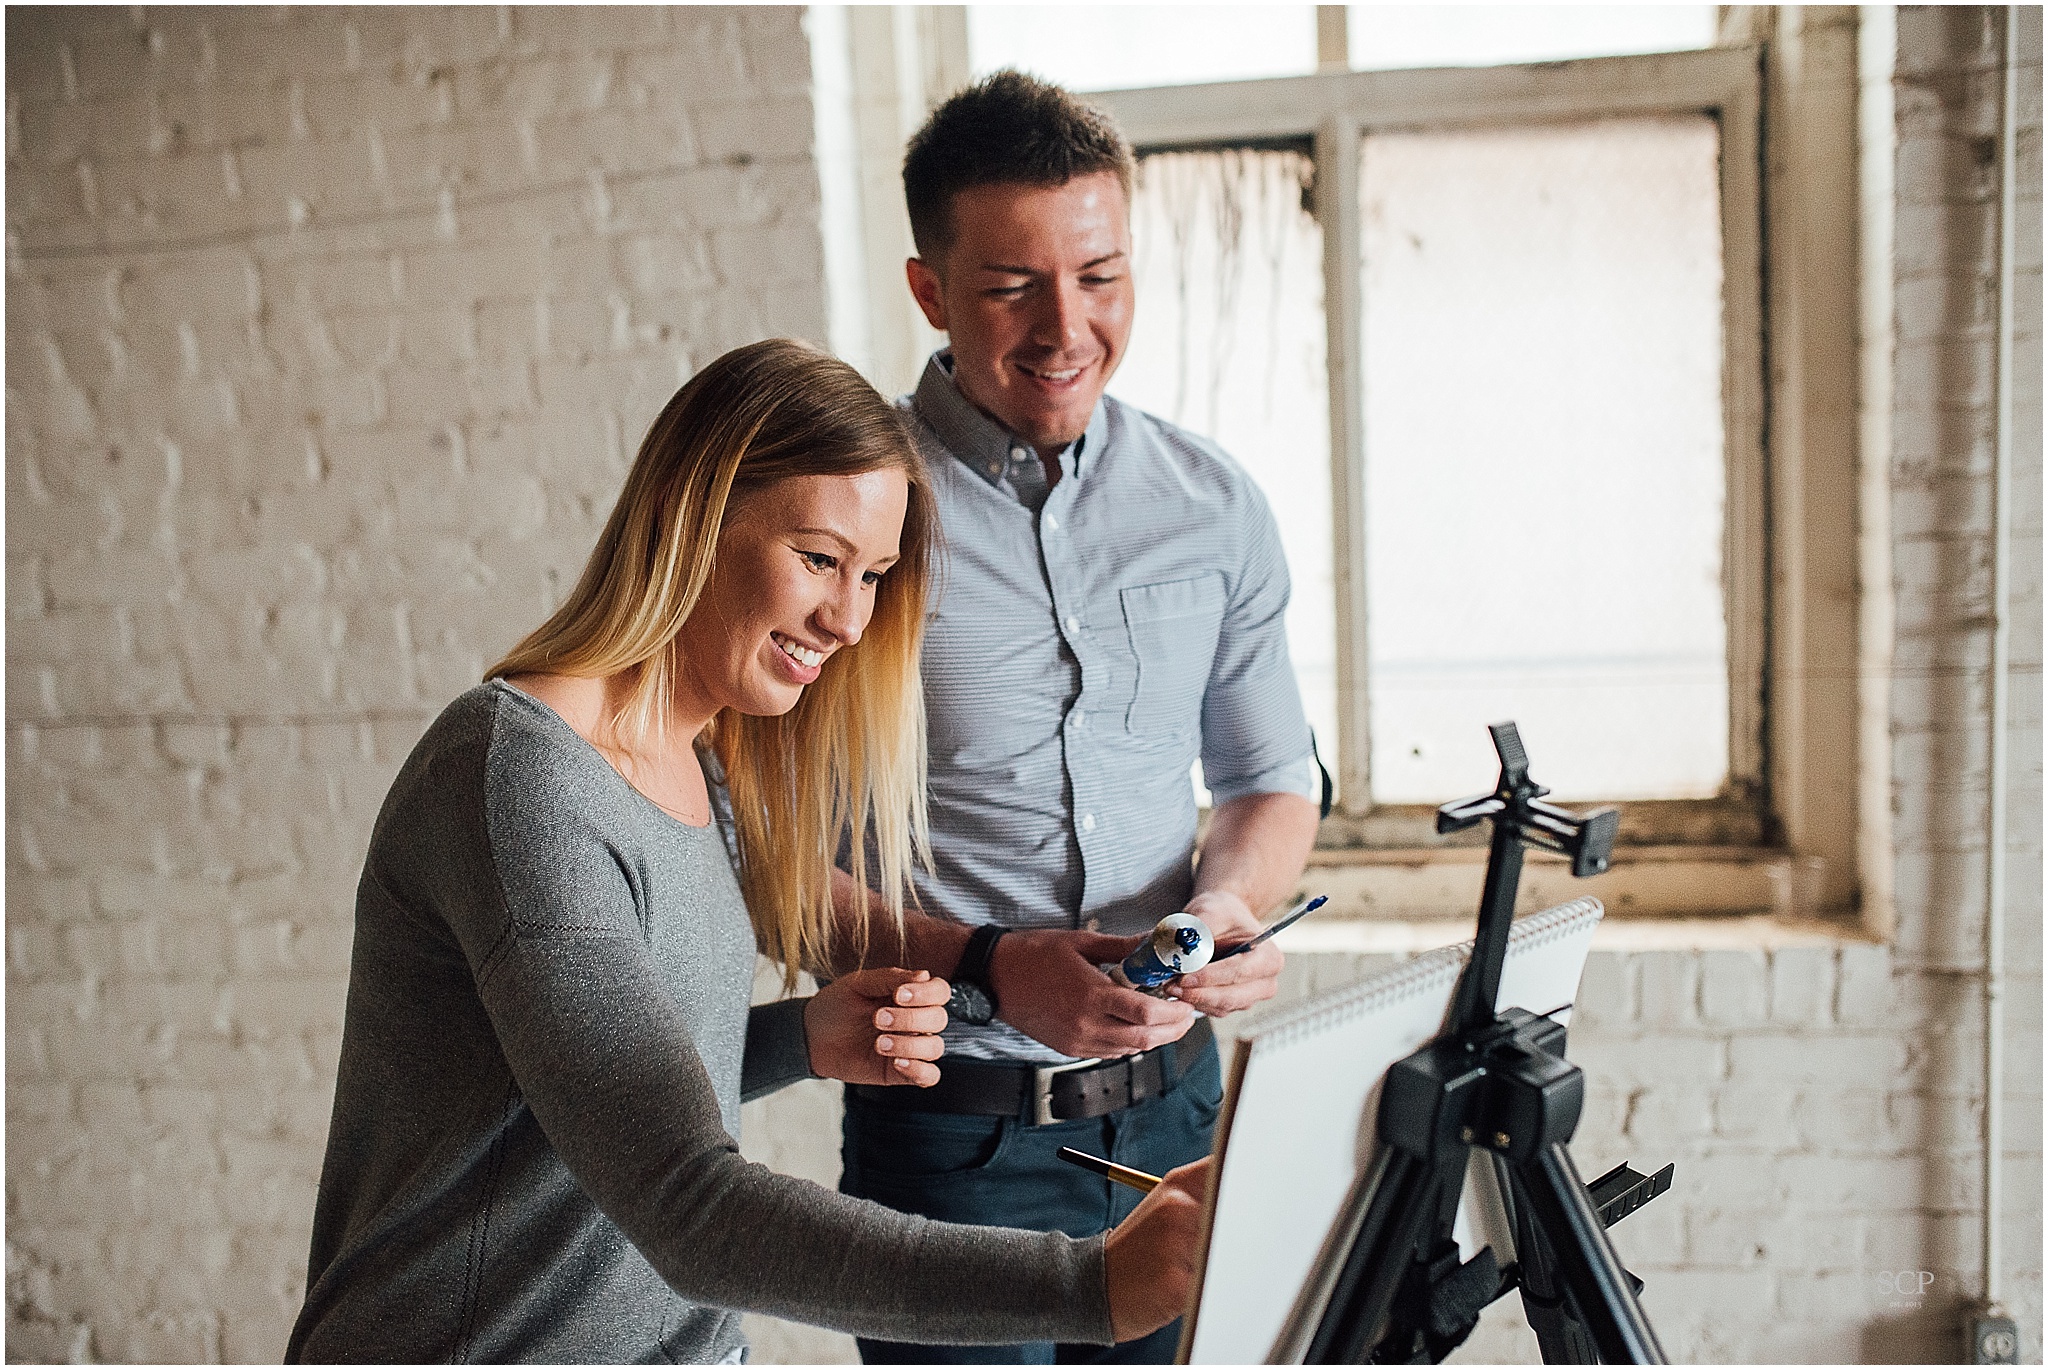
(1411, 978)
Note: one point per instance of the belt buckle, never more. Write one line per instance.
(1041, 1087)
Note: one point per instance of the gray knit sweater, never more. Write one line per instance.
(546, 1044)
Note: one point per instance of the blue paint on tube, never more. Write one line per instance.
(1180, 945)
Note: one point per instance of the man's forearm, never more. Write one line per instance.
(927, 943)
(1257, 847)
(1046, 983)
(1254, 854)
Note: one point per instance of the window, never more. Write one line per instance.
(1542, 421)
(1122, 46)
(1381, 37)
(1493, 338)
(1545, 455)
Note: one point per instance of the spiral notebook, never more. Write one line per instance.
(1301, 1096)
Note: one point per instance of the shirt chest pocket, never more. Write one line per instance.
(1173, 627)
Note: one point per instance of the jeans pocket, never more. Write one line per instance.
(900, 1144)
(1201, 1092)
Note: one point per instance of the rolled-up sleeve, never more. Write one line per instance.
(1255, 736)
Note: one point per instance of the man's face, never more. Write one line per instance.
(1035, 292)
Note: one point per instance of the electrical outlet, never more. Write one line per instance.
(1994, 1340)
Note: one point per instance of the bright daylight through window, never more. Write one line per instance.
(1543, 455)
(1539, 328)
(1146, 45)
(1229, 343)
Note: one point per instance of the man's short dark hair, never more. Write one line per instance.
(1006, 128)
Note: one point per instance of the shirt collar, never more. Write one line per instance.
(983, 445)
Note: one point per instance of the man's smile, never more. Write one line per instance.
(1055, 376)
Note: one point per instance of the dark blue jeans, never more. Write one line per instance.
(1003, 1172)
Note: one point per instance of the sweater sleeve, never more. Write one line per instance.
(778, 1051)
(604, 1061)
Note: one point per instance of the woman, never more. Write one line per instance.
(547, 1035)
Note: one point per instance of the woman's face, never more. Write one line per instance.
(795, 581)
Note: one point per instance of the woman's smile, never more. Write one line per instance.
(802, 663)
(799, 565)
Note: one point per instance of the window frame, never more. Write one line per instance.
(1757, 847)
(1335, 112)
(1810, 851)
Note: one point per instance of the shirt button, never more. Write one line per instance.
(1080, 718)
(1018, 454)
(1052, 525)
(1073, 624)
(1087, 822)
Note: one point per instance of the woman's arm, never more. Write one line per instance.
(605, 1060)
(614, 1080)
(777, 1053)
(873, 1027)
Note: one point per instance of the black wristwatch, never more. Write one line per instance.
(974, 1001)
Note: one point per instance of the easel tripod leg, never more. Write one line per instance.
(1560, 1334)
(1364, 1294)
(1591, 1271)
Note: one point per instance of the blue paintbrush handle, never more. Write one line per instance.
(1304, 911)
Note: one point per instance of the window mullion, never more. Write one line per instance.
(1336, 154)
(1744, 564)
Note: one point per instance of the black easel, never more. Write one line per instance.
(1496, 1082)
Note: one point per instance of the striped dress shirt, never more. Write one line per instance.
(1079, 659)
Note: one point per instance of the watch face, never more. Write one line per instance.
(970, 1004)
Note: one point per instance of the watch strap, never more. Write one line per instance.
(980, 949)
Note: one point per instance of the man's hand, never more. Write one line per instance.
(1241, 981)
(878, 1027)
(1254, 854)
(1048, 987)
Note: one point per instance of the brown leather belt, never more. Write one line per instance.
(1049, 1094)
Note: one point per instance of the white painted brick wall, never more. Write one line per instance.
(1948, 102)
(275, 496)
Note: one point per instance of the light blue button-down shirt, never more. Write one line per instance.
(1078, 661)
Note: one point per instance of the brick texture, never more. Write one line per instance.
(1949, 102)
(330, 335)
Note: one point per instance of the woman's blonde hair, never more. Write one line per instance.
(849, 758)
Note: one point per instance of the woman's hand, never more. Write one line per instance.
(878, 1027)
(1152, 1255)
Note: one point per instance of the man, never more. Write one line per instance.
(1113, 606)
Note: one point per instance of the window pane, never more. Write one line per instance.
(1110, 47)
(1544, 457)
(1230, 343)
(1383, 36)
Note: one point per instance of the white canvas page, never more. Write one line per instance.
(1299, 1120)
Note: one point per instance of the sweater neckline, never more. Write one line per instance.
(554, 719)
